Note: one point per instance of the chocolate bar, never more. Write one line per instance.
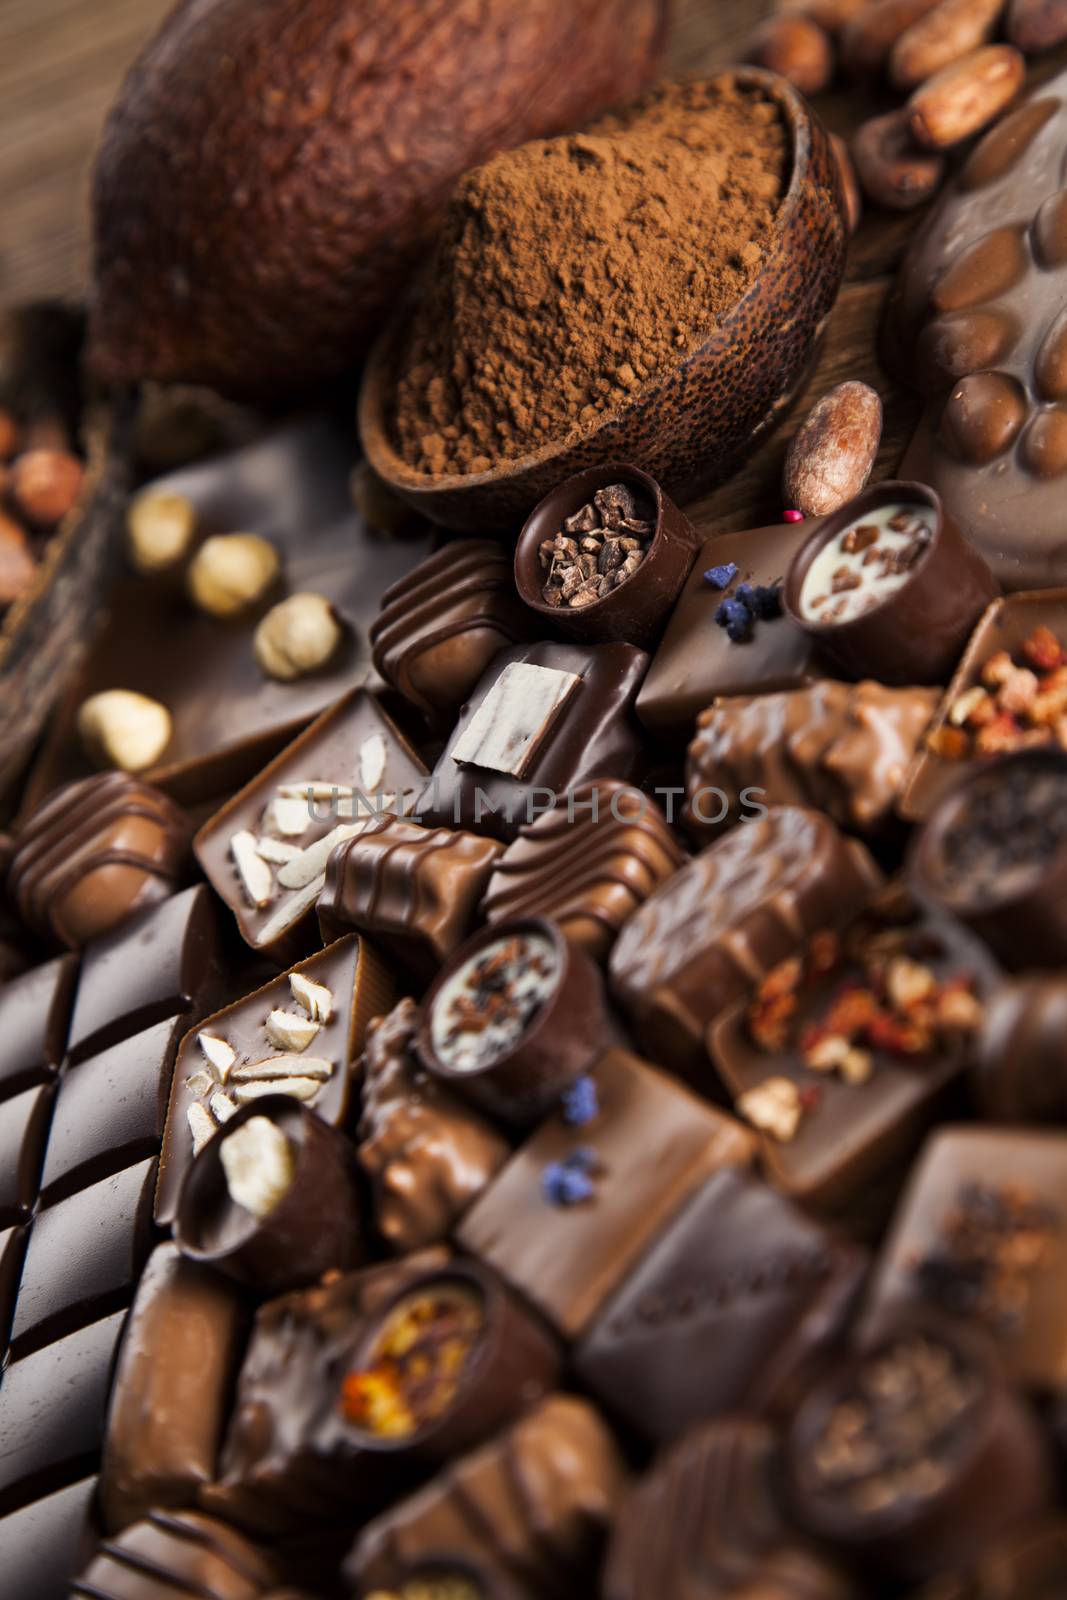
(531, 1507)
(587, 865)
(738, 1271)
(725, 920)
(175, 1553)
(441, 625)
(41, 1545)
(414, 890)
(543, 719)
(166, 1417)
(265, 852)
(298, 1035)
(698, 660)
(94, 854)
(843, 749)
(24, 1120)
(35, 1010)
(427, 1154)
(580, 1202)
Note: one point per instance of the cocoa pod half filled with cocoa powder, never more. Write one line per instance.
(271, 171)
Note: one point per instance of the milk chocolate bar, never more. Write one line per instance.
(724, 920)
(583, 1199)
(413, 889)
(177, 1553)
(426, 1153)
(710, 1521)
(981, 1233)
(843, 749)
(441, 625)
(94, 854)
(265, 852)
(738, 1271)
(166, 1418)
(698, 660)
(299, 1036)
(543, 719)
(533, 1506)
(587, 865)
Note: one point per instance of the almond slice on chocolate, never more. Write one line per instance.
(220, 1055)
(276, 851)
(315, 998)
(296, 1088)
(310, 863)
(254, 874)
(286, 1066)
(288, 1031)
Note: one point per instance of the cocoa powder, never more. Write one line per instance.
(571, 271)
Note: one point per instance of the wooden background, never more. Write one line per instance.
(60, 61)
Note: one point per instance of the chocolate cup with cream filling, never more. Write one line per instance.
(316, 1225)
(514, 1362)
(564, 1038)
(918, 632)
(1024, 922)
(636, 611)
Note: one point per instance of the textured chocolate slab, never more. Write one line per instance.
(24, 1123)
(361, 988)
(175, 1554)
(157, 966)
(34, 1019)
(293, 489)
(592, 734)
(353, 745)
(110, 1110)
(84, 1256)
(653, 1143)
(738, 1274)
(52, 1407)
(12, 1251)
(697, 660)
(43, 1546)
(1025, 1311)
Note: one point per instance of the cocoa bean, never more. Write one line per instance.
(963, 98)
(834, 450)
(867, 40)
(892, 169)
(797, 49)
(1035, 25)
(951, 30)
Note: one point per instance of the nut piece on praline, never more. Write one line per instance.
(159, 530)
(232, 572)
(119, 728)
(296, 637)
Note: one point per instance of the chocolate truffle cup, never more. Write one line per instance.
(516, 1363)
(636, 611)
(999, 1476)
(1027, 928)
(565, 1038)
(918, 632)
(316, 1226)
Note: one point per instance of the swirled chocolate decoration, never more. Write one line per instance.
(841, 748)
(589, 872)
(95, 853)
(427, 1155)
(440, 626)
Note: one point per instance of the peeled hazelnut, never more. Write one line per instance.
(45, 484)
(297, 637)
(121, 729)
(159, 530)
(231, 572)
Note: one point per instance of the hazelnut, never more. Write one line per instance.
(159, 530)
(231, 572)
(121, 729)
(297, 637)
(45, 485)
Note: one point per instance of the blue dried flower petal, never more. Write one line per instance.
(736, 618)
(764, 600)
(580, 1103)
(565, 1185)
(721, 577)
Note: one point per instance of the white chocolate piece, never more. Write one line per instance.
(513, 719)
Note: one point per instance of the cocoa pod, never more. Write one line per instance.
(1035, 25)
(953, 29)
(797, 49)
(272, 170)
(829, 14)
(892, 169)
(964, 98)
(849, 182)
(867, 40)
(834, 450)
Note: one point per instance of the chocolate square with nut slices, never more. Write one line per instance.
(981, 1233)
(647, 1147)
(844, 1055)
(992, 707)
(265, 852)
(544, 719)
(697, 659)
(298, 1035)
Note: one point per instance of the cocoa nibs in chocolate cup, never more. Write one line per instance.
(866, 562)
(485, 1007)
(992, 1243)
(570, 272)
(418, 1363)
(597, 549)
(1007, 829)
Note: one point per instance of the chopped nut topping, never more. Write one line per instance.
(774, 1107)
(315, 998)
(259, 1165)
(1019, 704)
(253, 873)
(288, 1031)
